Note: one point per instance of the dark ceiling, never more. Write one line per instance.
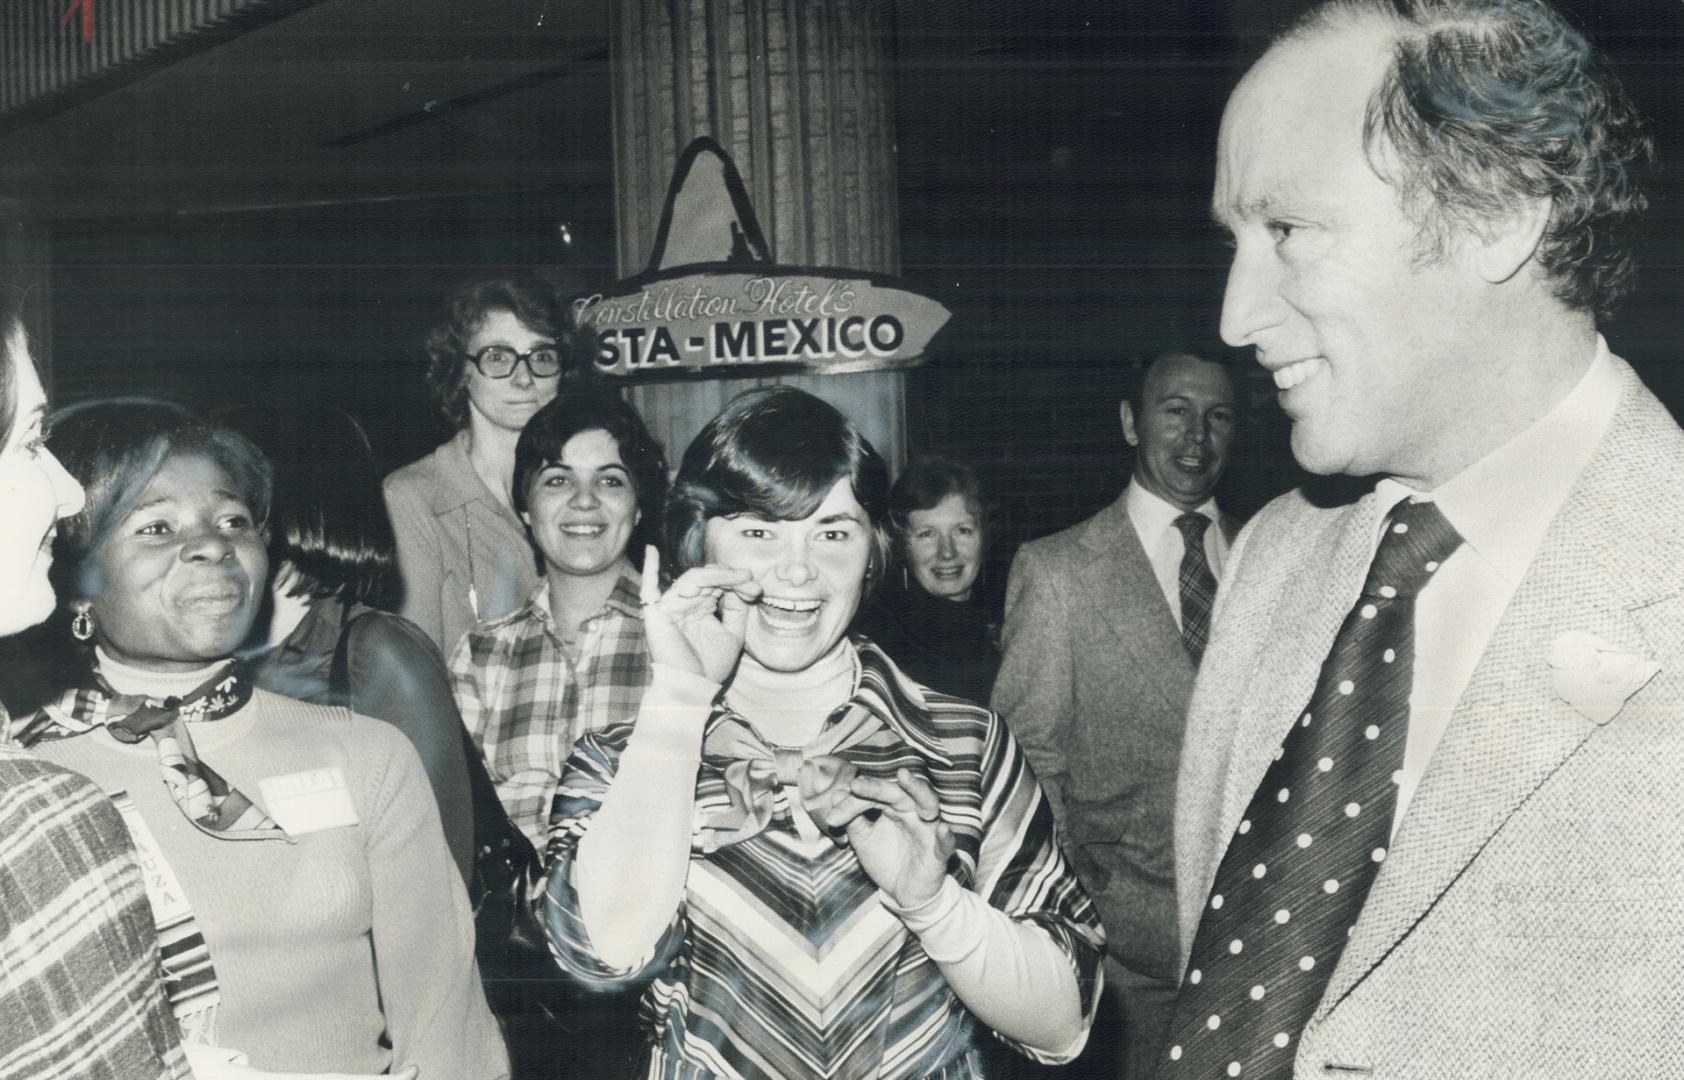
(286, 207)
(346, 100)
(360, 100)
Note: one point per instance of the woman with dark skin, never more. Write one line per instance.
(302, 841)
(84, 998)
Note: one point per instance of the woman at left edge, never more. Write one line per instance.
(304, 840)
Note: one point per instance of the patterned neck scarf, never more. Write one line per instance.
(757, 773)
(760, 783)
(208, 801)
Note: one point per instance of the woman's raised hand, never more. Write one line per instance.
(894, 826)
(697, 625)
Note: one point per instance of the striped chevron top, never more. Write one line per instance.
(782, 961)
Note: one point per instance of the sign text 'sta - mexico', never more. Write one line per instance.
(712, 319)
(714, 300)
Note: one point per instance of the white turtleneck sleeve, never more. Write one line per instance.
(626, 901)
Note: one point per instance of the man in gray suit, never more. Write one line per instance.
(1104, 625)
(1429, 820)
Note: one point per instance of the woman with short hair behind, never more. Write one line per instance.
(505, 347)
(316, 922)
(824, 871)
(332, 558)
(932, 617)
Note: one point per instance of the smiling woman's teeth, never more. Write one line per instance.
(582, 530)
(789, 614)
(1293, 374)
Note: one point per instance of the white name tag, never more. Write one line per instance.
(309, 801)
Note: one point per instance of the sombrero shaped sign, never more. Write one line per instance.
(713, 300)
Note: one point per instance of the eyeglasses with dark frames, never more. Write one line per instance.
(499, 361)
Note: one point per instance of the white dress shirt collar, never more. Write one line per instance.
(1153, 520)
(1152, 514)
(1503, 503)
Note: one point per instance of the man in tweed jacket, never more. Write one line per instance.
(1096, 676)
(1427, 210)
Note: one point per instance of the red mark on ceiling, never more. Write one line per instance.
(87, 9)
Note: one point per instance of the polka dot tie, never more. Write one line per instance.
(1298, 868)
(1198, 585)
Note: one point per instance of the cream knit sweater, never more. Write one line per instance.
(322, 945)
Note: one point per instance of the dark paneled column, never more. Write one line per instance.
(798, 92)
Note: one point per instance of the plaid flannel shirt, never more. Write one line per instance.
(80, 995)
(525, 697)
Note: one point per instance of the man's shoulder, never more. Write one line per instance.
(1081, 539)
(1303, 513)
(1643, 449)
(1300, 532)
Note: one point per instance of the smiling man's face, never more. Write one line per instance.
(1182, 430)
(1365, 338)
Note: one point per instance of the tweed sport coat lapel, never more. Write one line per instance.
(1510, 730)
(1132, 607)
(1590, 574)
(1120, 564)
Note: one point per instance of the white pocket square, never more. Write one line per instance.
(1595, 677)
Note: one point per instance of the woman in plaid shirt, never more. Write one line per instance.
(588, 481)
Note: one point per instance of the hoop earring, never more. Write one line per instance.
(82, 625)
(905, 585)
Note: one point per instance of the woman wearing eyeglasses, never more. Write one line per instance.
(505, 346)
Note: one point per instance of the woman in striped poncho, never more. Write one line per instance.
(825, 868)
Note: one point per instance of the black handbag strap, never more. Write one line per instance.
(339, 675)
(494, 834)
(492, 828)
